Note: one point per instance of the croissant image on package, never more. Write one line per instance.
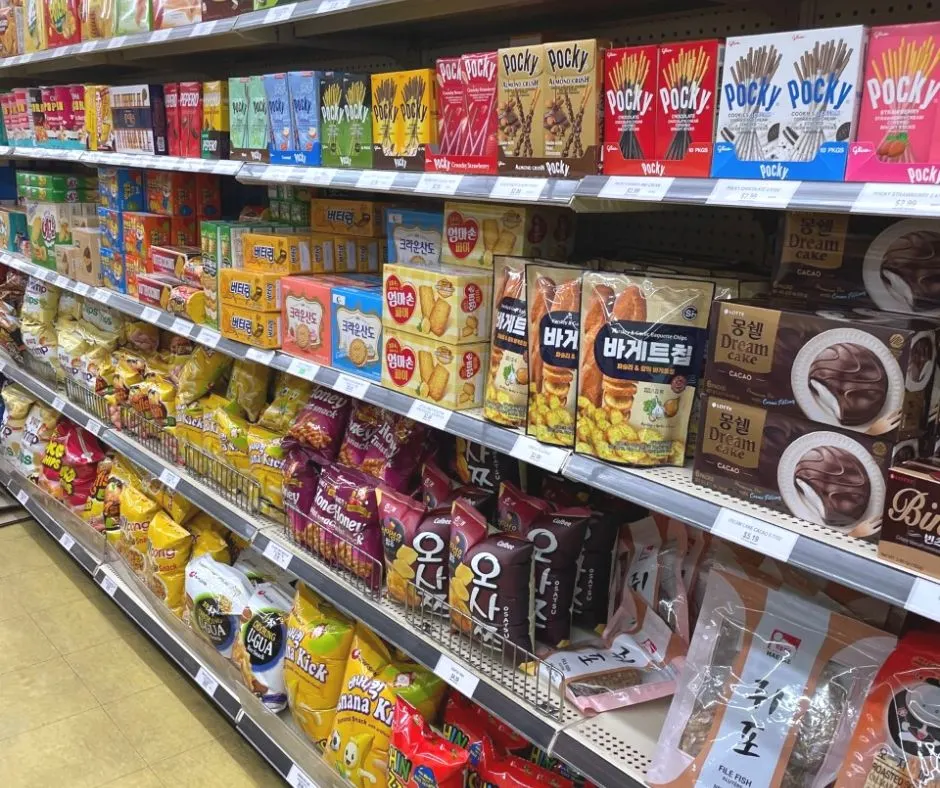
(640, 353)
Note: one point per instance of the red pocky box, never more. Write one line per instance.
(171, 98)
(451, 104)
(629, 107)
(479, 74)
(190, 114)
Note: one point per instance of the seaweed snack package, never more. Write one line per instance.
(266, 463)
(364, 420)
(773, 686)
(321, 422)
(290, 394)
(418, 757)
(248, 386)
(301, 477)
(319, 639)
(358, 744)
(638, 659)
(641, 348)
(209, 538)
(201, 372)
(260, 646)
(416, 543)
(38, 428)
(507, 383)
(40, 302)
(490, 590)
(356, 524)
(396, 451)
(516, 511)
(216, 595)
(896, 739)
(169, 546)
(595, 566)
(466, 724)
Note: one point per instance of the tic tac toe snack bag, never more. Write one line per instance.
(772, 688)
(418, 757)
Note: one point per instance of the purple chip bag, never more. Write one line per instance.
(301, 478)
(320, 424)
(592, 589)
(364, 420)
(356, 525)
(396, 452)
(321, 534)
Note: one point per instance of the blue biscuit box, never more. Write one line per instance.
(121, 188)
(414, 237)
(112, 270)
(356, 317)
(111, 223)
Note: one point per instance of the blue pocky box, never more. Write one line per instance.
(305, 103)
(280, 118)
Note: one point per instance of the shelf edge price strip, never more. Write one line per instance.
(898, 198)
(456, 675)
(529, 450)
(517, 188)
(627, 188)
(758, 535)
(753, 194)
(429, 414)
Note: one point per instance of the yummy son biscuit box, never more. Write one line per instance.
(250, 290)
(356, 329)
(452, 376)
(259, 329)
(448, 304)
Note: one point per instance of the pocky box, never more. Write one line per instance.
(304, 89)
(190, 119)
(629, 105)
(215, 120)
(521, 134)
(171, 100)
(248, 119)
(283, 133)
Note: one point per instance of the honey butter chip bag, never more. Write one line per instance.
(641, 347)
(319, 639)
(358, 744)
(321, 528)
(416, 550)
(204, 368)
(216, 595)
(396, 451)
(301, 476)
(772, 689)
(364, 420)
(507, 384)
(321, 422)
(259, 649)
(419, 757)
(490, 590)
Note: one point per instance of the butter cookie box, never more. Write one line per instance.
(258, 329)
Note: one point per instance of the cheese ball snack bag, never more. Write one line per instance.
(321, 422)
(248, 386)
(216, 595)
(364, 420)
(319, 639)
(417, 755)
(261, 643)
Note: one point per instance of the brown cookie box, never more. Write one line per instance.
(740, 448)
(752, 349)
(910, 531)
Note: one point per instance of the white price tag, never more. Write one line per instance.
(376, 180)
(159, 35)
(924, 599)
(116, 42)
(169, 478)
(207, 681)
(354, 387)
(429, 414)
(82, 289)
(647, 189)
(66, 541)
(94, 427)
(49, 276)
(277, 554)
(433, 183)
(456, 675)
(529, 450)
(518, 189)
(898, 198)
(203, 29)
(753, 194)
(278, 173)
(150, 314)
(22, 496)
(756, 534)
(61, 281)
(298, 779)
(261, 356)
(102, 295)
(109, 586)
(180, 326)
(208, 337)
(3, 364)
(278, 14)
(58, 404)
(332, 5)
(318, 176)
(87, 46)
(303, 369)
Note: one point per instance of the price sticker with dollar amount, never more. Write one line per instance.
(208, 337)
(332, 5)
(278, 14)
(298, 779)
(459, 677)
(354, 387)
(898, 198)
(758, 535)
(529, 189)
(260, 356)
(643, 189)
(277, 554)
(434, 183)
(58, 404)
(82, 289)
(753, 194)
(318, 176)
(94, 427)
(376, 180)
(924, 599)
(169, 478)
(181, 327)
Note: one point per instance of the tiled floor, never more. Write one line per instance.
(87, 700)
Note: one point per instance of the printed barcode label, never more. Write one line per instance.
(169, 478)
(456, 675)
(277, 554)
(22, 496)
(518, 188)
(261, 356)
(753, 194)
(529, 450)
(278, 14)
(354, 387)
(207, 681)
(150, 314)
(332, 5)
(298, 779)
(58, 404)
(758, 535)
(432, 183)
(429, 414)
(900, 199)
(303, 369)
(82, 289)
(66, 541)
(180, 326)
(625, 188)
(109, 586)
(924, 599)
(94, 427)
(375, 179)
(318, 176)
(207, 336)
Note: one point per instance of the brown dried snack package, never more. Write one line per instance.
(507, 383)
(772, 689)
(641, 347)
(554, 302)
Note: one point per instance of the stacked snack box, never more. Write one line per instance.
(138, 115)
(404, 118)
(119, 189)
(55, 204)
(293, 100)
(355, 229)
(346, 115)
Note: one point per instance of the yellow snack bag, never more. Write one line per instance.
(141, 336)
(233, 430)
(97, 369)
(209, 538)
(17, 402)
(290, 394)
(358, 745)
(248, 386)
(137, 510)
(200, 372)
(71, 347)
(175, 505)
(161, 400)
(266, 462)
(168, 544)
(319, 639)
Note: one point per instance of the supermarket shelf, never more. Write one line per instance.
(593, 194)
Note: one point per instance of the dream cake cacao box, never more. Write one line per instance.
(866, 373)
(828, 476)
(866, 261)
(910, 532)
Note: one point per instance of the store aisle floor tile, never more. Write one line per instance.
(88, 701)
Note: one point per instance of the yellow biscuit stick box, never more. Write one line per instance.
(269, 253)
(250, 290)
(259, 329)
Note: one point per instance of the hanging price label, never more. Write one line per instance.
(429, 414)
(376, 180)
(82, 289)
(208, 337)
(22, 496)
(644, 189)
(432, 183)
(182, 327)
(753, 194)
(898, 199)
(207, 681)
(277, 554)
(924, 599)
(456, 675)
(94, 427)
(756, 534)
(529, 450)
(529, 189)
(109, 586)
(354, 387)
(66, 541)
(277, 14)
(318, 176)
(169, 478)
(58, 404)
(303, 369)
(298, 779)
(261, 356)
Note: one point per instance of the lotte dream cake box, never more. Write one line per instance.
(789, 104)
